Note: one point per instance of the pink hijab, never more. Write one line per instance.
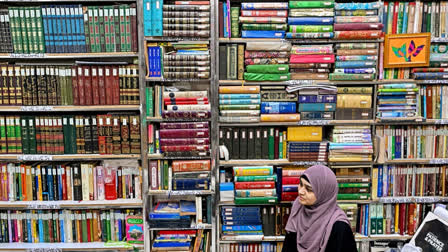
(313, 224)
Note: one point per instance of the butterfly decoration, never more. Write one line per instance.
(412, 51)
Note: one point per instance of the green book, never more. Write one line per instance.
(23, 26)
(274, 69)
(32, 135)
(271, 139)
(117, 28)
(150, 101)
(108, 229)
(40, 29)
(267, 27)
(84, 227)
(25, 138)
(46, 227)
(234, 22)
(390, 17)
(165, 174)
(101, 24)
(122, 32)
(12, 28)
(373, 222)
(72, 126)
(310, 28)
(400, 17)
(379, 219)
(18, 135)
(311, 4)
(280, 146)
(428, 19)
(91, 17)
(96, 21)
(12, 136)
(87, 23)
(67, 136)
(357, 185)
(29, 29)
(354, 196)
(255, 178)
(107, 32)
(255, 200)
(19, 37)
(3, 135)
(127, 10)
(18, 179)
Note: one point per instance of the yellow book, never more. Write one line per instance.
(68, 175)
(397, 214)
(375, 183)
(39, 181)
(304, 134)
(85, 181)
(124, 171)
(239, 89)
(284, 144)
(29, 184)
(33, 227)
(354, 101)
(279, 117)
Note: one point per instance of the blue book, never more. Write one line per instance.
(239, 101)
(355, 70)
(252, 6)
(241, 222)
(317, 98)
(357, 6)
(311, 149)
(67, 43)
(172, 216)
(68, 29)
(304, 107)
(62, 225)
(240, 210)
(316, 115)
(45, 27)
(262, 34)
(159, 61)
(245, 217)
(405, 18)
(50, 184)
(52, 29)
(171, 244)
(278, 107)
(150, 62)
(279, 183)
(310, 20)
(187, 206)
(356, 58)
(239, 96)
(147, 18)
(430, 76)
(384, 19)
(225, 18)
(30, 236)
(80, 28)
(354, 64)
(157, 17)
(366, 220)
(290, 188)
(191, 184)
(399, 86)
(242, 228)
(308, 144)
(41, 227)
(380, 181)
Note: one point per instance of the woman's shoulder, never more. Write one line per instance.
(341, 225)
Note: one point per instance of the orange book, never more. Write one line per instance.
(239, 89)
(280, 117)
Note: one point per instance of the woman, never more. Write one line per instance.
(316, 223)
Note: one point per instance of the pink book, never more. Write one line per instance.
(95, 187)
(100, 182)
(134, 229)
(299, 59)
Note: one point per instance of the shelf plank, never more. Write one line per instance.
(301, 41)
(93, 204)
(182, 192)
(69, 108)
(91, 246)
(302, 122)
(203, 226)
(13, 56)
(68, 157)
(326, 82)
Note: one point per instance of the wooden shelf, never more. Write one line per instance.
(307, 41)
(200, 226)
(68, 157)
(247, 162)
(18, 56)
(69, 108)
(93, 204)
(174, 39)
(91, 246)
(310, 82)
(181, 192)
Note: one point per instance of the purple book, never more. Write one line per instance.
(184, 141)
(184, 133)
(184, 125)
(358, 26)
(186, 114)
(317, 98)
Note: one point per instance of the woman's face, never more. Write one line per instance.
(306, 194)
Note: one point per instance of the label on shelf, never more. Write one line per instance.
(36, 108)
(31, 55)
(43, 205)
(314, 122)
(301, 82)
(34, 157)
(44, 250)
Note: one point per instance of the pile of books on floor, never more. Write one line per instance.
(256, 186)
(241, 221)
(397, 101)
(239, 103)
(189, 139)
(351, 144)
(263, 20)
(310, 19)
(357, 21)
(355, 61)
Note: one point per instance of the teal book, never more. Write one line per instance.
(147, 18)
(157, 17)
(315, 107)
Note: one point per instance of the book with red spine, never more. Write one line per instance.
(110, 183)
(108, 84)
(87, 85)
(75, 86)
(171, 148)
(81, 82)
(115, 86)
(95, 86)
(290, 180)
(101, 86)
(255, 185)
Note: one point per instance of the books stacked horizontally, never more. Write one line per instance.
(357, 21)
(351, 144)
(319, 106)
(180, 174)
(290, 181)
(277, 105)
(354, 103)
(186, 60)
(355, 61)
(180, 104)
(239, 103)
(351, 210)
(398, 101)
(310, 19)
(305, 144)
(270, 63)
(73, 181)
(438, 63)
(263, 19)
(354, 188)
(177, 20)
(311, 62)
(72, 226)
(241, 221)
(256, 186)
(182, 240)
(189, 139)
(172, 214)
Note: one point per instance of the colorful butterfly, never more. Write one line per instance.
(412, 51)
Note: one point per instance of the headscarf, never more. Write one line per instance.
(313, 224)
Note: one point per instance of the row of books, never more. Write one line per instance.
(177, 19)
(181, 60)
(180, 175)
(411, 142)
(263, 246)
(183, 240)
(72, 29)
(76, 181)
(70, 134)
(409, 180)
(304, 20)
(181, 213)
(69, 85)
(50, 226)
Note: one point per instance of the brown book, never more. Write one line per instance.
(240, 61)
(80, 142)
(59, 136)
(75, 87)
(52, 84)
(134, 129)
(125, 137)
(108, 85)
(134, 39)
(354, 114)
(87, 85)
(108, 134)
(101, 85)
(221, 20)
(429, 95)
(4, 85)
(81, 81)
(115, 86)
(116, 138)
(101, 134)
(135, 97)
(11, 86)
(20, 75)
(44, 134)
(95, 86)
(122, 85)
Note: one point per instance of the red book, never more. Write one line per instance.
(264, 13)
(81, 95)
(44, 135)
(395, 17)
(50, 228)
(192, 3)
(75, 86)
(87, 85)
(95, 86)
(255, 185)
(221, 20)
(402, 218)
(108, 84)
(290, 180)
(177, 232)
(185, 102)
(289, 196)
(172, 148)
(89, 231)
(101, 85)
(115, 86)
(184, 99)
(64, 182)
(110, 183)
(429, 102)
(120, 182)
(101, 134)
(134, 39)
(410, 220)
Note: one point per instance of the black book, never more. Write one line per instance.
(265, 143)
(88, 135)
(265, 221)
(77, 182)
(257, 143)
(235, 143)
(43, 173)
(223, 62)
(33, 181)
(228, 141)
(243, 143)
(250, 143)
(55, 183)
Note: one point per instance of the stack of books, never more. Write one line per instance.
(357, 21)
(351, 144)
(172, 214)
(354, 103)
(185, 60)
(180, 104)
(187, 139)
(316, 60)
(255, 189)
(305, 144)
(182, 240)
(290, 181)
(239, 103)
(355, 61)
(438, 61)
(398, 101)
(353, 188)
(265, 67)
(263, 20)
(278, 105)
(310, 19)
(320, 107)
(241, 221)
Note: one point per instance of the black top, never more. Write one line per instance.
(341, 239)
